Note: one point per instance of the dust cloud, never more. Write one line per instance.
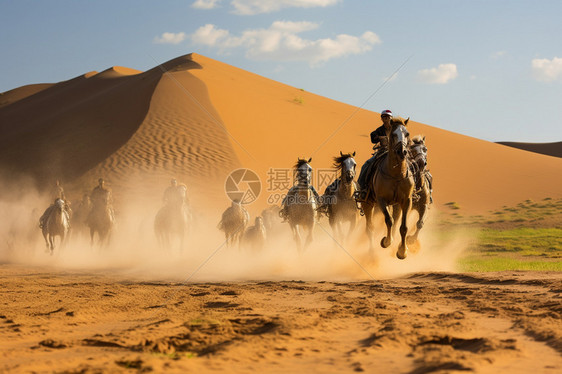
(134, 252)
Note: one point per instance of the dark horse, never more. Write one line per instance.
(300, 204)
(338, 199)
(172, 220)
(101, 220)
(56, 224)
(422, 194)
(393, 185)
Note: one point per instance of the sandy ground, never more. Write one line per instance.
(69, 321)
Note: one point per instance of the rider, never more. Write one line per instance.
(57, 192)
(101, 197)
(175, 193)
(379, 138)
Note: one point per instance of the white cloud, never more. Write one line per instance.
(251, 7)
(439, 75)
(170, 38)
(209, 35)
(281, 42)
(205, 4)
(546, 70)
(499, 54)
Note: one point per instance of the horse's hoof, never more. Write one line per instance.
(401, 254)
(385, 243)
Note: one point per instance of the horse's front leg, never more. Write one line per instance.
(297, 236)
(310, 236)
(352, 224)
(387, 240)
(92, 237)
(422, 212)
(47, 244)
(403, 248)
(369, 227)
(51, 243)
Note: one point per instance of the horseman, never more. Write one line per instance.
(175, 194)
(101, 197)
(379, 138)
(57, 192)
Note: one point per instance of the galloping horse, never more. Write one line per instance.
(56, 224)
(338, 199)
(299, 206)
(80, 216)
(101, 220)
(422, 194)
(233, 222)
(393, 184)
(173, 220)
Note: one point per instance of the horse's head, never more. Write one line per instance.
(399, 137)
(346, 163)
(303, 171)
(418, 151)
(59, 203)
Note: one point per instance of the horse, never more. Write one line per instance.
(80, 216)
(233, 222)
(392, 184)
(254, 237)
(101, 220)
(422, 194)
(56, 224)
(300, 204)
(339, 198)
(172, 220)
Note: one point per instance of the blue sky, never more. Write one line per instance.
(489, 69)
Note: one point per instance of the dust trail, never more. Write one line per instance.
(134, 251)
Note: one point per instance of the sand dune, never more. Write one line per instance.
(549, 149)
(198, 119)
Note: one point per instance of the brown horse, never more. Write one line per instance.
(392, 184)
(338, 199)
(233, 222)
(101, 220)
(255, 236)
(80, 216)
(299, 206)
(172, 220)
(422, 195)
(56, 224)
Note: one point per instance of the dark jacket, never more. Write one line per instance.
(377, 134)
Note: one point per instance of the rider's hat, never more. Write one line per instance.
(386, 112)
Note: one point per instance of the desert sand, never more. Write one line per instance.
(422, 323)
(134, 306)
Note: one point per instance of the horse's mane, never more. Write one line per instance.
(338, 161)
(300, 162)
(398, 121)
(418, 139)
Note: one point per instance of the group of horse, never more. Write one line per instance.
(398, 184)
(95, 218)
